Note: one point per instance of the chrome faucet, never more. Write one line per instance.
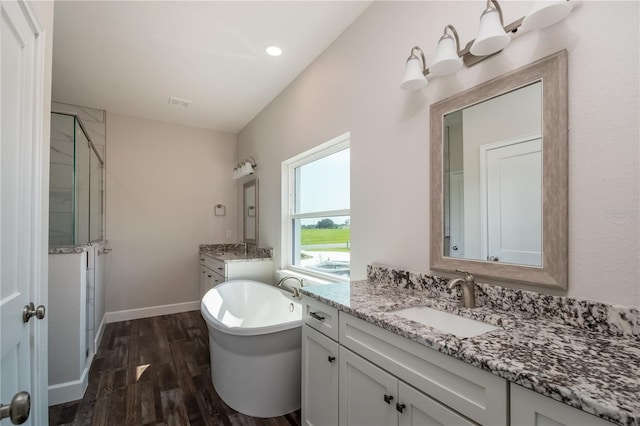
(468, 285)
(295, 290)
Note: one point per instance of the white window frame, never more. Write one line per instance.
(288, 202)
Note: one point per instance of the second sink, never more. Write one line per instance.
(444, 321)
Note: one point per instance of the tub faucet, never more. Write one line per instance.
(295, 290)
(468, 285)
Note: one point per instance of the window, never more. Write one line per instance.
(316, 226)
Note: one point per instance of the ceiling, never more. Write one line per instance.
(131, 56)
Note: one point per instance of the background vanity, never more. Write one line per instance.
(224, 262)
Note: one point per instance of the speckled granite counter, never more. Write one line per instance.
(233, 257)
(238, 252)
(587, 356)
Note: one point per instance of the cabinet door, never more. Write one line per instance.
(368, 395)
(214, 280)
(203, 281)
(319, 379)
(529, 408)
(420, 410)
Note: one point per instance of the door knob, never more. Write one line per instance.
(31, 311)
(18, 410)
(400, 407)
(454, 248)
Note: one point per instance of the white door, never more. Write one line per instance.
(456, 214)
(22, 366)
(368, 395)
(513, 202)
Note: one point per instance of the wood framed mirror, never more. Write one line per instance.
(250, 212)
(499, 177)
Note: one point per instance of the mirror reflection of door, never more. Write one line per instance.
(493, 179)
(511, 200)
(456, 214)
(250, 211)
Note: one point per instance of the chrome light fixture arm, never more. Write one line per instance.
(413, 56)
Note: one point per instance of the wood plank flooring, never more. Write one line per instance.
(155, 371)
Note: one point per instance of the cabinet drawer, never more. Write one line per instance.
(323, 318)
(476, 394)
(213, 264)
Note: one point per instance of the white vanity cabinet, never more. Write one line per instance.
(214, 271)
(386, 379)
(371, 396)
(529, 408)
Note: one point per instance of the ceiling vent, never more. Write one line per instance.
(180, 102)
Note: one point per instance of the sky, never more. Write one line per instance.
(325, 183)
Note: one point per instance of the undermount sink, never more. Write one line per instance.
(444, 321)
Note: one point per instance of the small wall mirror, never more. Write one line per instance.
(499, 177)
(250, 212)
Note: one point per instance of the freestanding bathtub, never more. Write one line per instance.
(255, 339)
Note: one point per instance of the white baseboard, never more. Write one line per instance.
(152, 311)
(69, 391)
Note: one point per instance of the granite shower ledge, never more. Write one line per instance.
(595, 372)
(72, 249)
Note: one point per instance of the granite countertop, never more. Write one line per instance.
(236, 252)
(235, 257)
(594, 371)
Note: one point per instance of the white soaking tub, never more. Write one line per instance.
(255, 338)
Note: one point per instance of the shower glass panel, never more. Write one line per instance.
(75, 184)
(95, 197)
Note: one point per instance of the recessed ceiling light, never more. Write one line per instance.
(273, 51)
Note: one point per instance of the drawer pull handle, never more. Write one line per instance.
(202, 260)
(316, 316)
(331, 358)
(400, 407)
(209, 276)
(219, 268)
(388, 399)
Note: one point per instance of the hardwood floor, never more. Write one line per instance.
(154, 371)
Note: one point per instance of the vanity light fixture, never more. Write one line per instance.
(448, 58)
(415, 71)
(244, 168)
(542, 14)
(492, 38)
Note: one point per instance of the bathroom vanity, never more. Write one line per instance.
(224, 262)
(362, 364)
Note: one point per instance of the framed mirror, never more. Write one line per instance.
(499, 177)
(250, 211)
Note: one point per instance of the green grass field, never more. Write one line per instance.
(325, 236)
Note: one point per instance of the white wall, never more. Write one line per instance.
(354, 86)
(163, 181)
